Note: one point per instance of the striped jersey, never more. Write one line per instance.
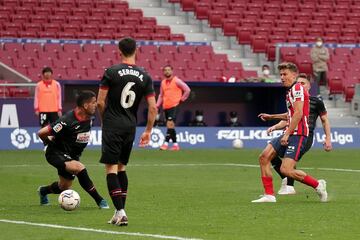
(294, 94)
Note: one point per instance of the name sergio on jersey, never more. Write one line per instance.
(132, 72)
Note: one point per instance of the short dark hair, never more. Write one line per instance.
(265, 66)
(83, 96)
(47, 69)
(288, 65)
(303, 75)
(168, 65)
(127, 46)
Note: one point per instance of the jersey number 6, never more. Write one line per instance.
(127, 96)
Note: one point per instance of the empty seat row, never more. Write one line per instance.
(60, 11)
(66, 3)
(75, 61)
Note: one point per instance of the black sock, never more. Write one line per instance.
(290, 181)
(123, 180)
(173, 135)
(276, 163)
(88, 186)
(168, 135)
(114, 190)
(52, 188)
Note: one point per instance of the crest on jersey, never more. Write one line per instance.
(57, 128)
(298, 94)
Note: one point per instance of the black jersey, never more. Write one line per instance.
(127, 84)
(317, 108)
(71, 134)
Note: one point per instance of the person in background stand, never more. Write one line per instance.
(173, 91)
(320, 55)
(199, 119)
(47, 99)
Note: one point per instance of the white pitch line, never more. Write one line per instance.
(194, 165)
(98, 230)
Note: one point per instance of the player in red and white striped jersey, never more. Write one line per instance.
(291, 145)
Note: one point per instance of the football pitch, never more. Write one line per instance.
(190, 194)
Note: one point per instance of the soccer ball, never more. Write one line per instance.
(69, 200)
(238, 143)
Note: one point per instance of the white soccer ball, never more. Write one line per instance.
(238, 143)
(69, 200)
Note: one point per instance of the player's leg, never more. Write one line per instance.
(287, 183)
(78, 169)
(123, 181)
(119, 218)
(112, 147)
(265, 158)
(294, 152)
(172, 129)
(58, 161)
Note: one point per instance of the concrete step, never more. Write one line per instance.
(171, 20)
(185, 28)
(144, 3)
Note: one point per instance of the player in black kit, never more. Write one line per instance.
(317, 108)
(66, 139)
(121, 90)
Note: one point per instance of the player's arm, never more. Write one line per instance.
(45, 134)
(326, 126)
(36, 100)
(280, 125)
(102, 94)
(152, 111)
(324, 56)
(314, 56)
(160, 98)
(185, 89)
(268, 117)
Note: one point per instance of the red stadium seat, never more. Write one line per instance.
(32, 27)
(160, 36)
(29, 3)
(258, 43)
(269, 15)
(81, 12)
(288, 54)
(27, 11)
(47, 34)
(56, 19)
(19, 19)
(145, 29)
(135, 13)
(66, 3)
(150, 21)
(187, 5)
(70, 28)
(51, 27)
(98, 12)
(202, 9)
(116, 12)
(75, 20)
(131, 21)
(89, 28)
(61, 11)
(243, 35)
(38, 19)
(177, 37)
(112, 20)
(103, 35)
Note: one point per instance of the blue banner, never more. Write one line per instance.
(188, 137)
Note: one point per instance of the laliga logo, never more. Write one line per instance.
(20, 138)
(157, 138)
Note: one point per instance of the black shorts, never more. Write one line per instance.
(58, 159)
(46, 118)
(116, 146)
(294, 150)
(170, 114)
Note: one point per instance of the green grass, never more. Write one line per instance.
(191, 193)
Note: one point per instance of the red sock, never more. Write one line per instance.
(268, 185)
(310, 181)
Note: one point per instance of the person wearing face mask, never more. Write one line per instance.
(266, 74)
(234, 119)
(319, 56)
(173, 91)
(199, 119)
